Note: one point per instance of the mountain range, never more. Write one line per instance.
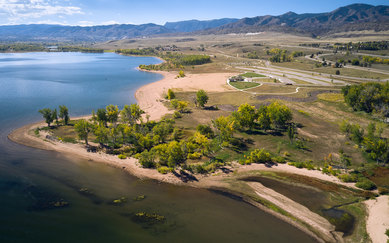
(353, 17)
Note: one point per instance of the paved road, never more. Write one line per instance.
(318, 58)
(285, 76)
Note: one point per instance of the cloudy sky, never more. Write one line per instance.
(103, 12)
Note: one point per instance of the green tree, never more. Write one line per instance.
(263, 118)
(201, 98)
(113, 134)
(55, 116)
(291, 132)
(225, 127)
(131, 113)
(64, 114)
(101, 116)
(356, 133)
(279, 114)
(163, 129)
(101, 133)
(245, 116)
(83, 128)
(146, 159)
(176, 154)
(47, 114)
(112, 113)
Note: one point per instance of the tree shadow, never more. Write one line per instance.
(238, 144)
(184, 176)
(211, 108)
(255, 132)
(276, 133)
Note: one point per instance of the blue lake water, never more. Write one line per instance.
(30, 178)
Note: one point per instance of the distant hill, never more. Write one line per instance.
(353, 17)
(194, 25)
(41, 32)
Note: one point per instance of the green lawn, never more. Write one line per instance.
(253, 75)
(244, 85)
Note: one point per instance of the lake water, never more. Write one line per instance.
(31, 178)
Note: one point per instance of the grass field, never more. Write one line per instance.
(244, 85)
(253, 75)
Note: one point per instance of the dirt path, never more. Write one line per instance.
(378, 218)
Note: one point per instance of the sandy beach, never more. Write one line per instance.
(150, 99)
(378, 218)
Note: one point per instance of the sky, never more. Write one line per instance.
(105, 12)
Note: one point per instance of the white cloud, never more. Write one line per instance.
(49, 22)
(21, 10)
(85, 23)
(111, 22)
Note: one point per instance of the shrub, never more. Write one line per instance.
(258, 156)
(177, 115)
(383, 190)
(366, 184)
(348, 177)
(308, 165)
(278, 159)
(200, 169)
(69, 140)
(212, 167)
(122, 156)
(195, 155)
(164, 169)
(170, 94)
(181, 74)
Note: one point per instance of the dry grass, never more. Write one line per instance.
(331, 97)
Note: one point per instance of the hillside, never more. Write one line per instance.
(194, 25)
(349, 18)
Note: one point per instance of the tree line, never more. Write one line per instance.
(22, 47)
(51, 115)
(369, 46)
(138, 52)
(278, 55)
(172, 59)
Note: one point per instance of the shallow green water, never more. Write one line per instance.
(31, 179)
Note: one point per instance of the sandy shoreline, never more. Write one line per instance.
(149, 98)
(378, 218)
